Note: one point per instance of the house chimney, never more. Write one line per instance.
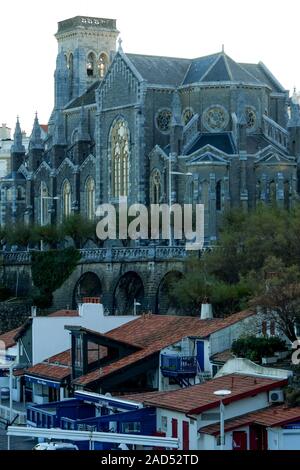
(206, 310)
(33, 311)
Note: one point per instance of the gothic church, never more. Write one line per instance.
(229, 130)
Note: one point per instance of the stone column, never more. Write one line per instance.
(212, 207)
(243, 183)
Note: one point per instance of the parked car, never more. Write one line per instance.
(55, 446)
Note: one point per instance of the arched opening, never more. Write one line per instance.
(272, 193)
(90, 64)
(165, 303)
(102, 65)
(129, 288)
(71, 74)
(44, 204)
(219, 196)
(156, 191)
(89, 285)
(66, 192)
(21, 193)
(90, 198)
(120, 158)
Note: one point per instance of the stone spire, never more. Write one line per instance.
(36, 141)
(17, 146)
(83, 134)
(294, 120)
(59, 137)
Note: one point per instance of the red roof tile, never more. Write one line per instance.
(222, 356)
(44, 127)
(277, 415)
(155, 332)
(198, 398)
(9, 337)
(64, 313)
(59, 365)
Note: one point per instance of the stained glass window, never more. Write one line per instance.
(120, 158)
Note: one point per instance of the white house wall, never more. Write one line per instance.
(49, 336)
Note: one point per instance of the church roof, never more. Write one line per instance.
(261, 72)
(222, 141)
(87, 98)
(217, 68)
(160, 70)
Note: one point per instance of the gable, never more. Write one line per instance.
(121, 84)
(271, 156)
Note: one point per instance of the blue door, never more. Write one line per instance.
(200, 354)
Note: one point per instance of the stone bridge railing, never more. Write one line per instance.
(108, 255)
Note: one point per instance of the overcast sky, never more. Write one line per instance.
(266, 30)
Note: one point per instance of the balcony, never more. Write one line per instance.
(178, 366)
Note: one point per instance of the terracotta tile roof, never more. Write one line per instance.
(277, 415)
(198, 398)
(222, 356)
(59, 365)
(9, 337)
(155, 332)
(49, 371)
(64, 313)
(44, 127)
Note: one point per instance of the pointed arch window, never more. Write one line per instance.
(102, 65)
(66, 198)
(219, 196)
(120, 158)
(90, 64)
(156, 191)
(286, 195)
(44, 204)
(90, 198)
(272, 192)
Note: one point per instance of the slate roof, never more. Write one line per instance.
(160, 70)
(199, 398)
(277, 415)
(263, 75)
(153, 333)
(9, 338)
(222, 141)
(87, 98)
(218, 68)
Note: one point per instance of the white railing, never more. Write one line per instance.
(275, 132)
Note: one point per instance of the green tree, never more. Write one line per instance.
(79, 229)
(50, 234)
(21, 235)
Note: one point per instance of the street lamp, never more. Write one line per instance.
(222, 394)
(170, 193)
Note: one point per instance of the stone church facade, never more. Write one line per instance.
(120, 121)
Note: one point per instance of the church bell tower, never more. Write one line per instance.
(85, 48)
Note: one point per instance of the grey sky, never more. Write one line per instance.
(251, 31)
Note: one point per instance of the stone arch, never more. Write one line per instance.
(129, 287)
(91, 64)
(88, 285)
(164, 302)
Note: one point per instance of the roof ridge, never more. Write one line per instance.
(218, 57)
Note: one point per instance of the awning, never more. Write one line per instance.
(40, 381)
